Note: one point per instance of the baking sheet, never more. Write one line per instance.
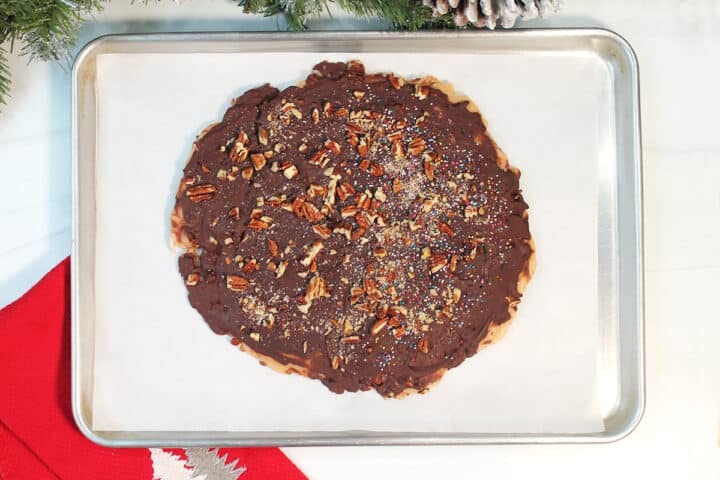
(157, 366)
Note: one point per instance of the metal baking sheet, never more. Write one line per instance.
(619, 223)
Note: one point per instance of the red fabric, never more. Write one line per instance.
(38, 436)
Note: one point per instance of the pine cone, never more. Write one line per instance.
(487, 13)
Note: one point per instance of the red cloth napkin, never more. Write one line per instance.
(38, 436)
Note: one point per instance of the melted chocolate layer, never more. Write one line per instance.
(358, 226)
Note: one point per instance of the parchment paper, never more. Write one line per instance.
(159, 367)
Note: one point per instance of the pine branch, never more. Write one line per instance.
(404, 14)
(4, 77)
(47, 29)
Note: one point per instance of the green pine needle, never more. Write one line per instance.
(47, 29)
(4, 77)
(404, 14)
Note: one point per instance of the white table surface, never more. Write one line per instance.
(678, 46)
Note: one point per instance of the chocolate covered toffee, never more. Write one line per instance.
(360, 229)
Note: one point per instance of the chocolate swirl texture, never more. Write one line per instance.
(360, 229)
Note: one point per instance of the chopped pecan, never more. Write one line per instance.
(445, 228)
(396, 82)
(273, 247)
(397, 186)
(377, 170)
(380, 195)
(397, 150)
(395, 136)
(423, 345)
(429, 169)
(328, 109)
(456, 293)
(251, 266)
(343, 230)
(349, 211)
(311, 212)
(437, 262)
(344, 191)
(378, 326)
(453, 262)
(280, 270)
(356, 234)
(192, 279)
(237, 283)
(322, 230)
(421, 91)
(258, 160)
(362, 220)
(312, 253)
(319, 158)
(363, 146)
(289, 170)
(238, 153)
(263, 136)
(199, 193)
(332, 146)
(416, 146)
(257, 224)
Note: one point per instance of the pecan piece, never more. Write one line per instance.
(258, 160)
(322, 230)
(257, 224)
(311, 212)
(445, 228)
(349, 211)
(416, 146)
(192, 279)
(421, 91)
(289, 170)
(396, 82)
(312, 253)
(332, 146)
(378, 326)
(423, 345)
(437, 262)
(377, 170)
(318, 159)
(263, 136)
(237, 283)
(429, 170)
(273, 247)
(344, 191)
(397, 150)
(201, 193)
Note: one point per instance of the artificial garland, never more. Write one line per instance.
(47, 29)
